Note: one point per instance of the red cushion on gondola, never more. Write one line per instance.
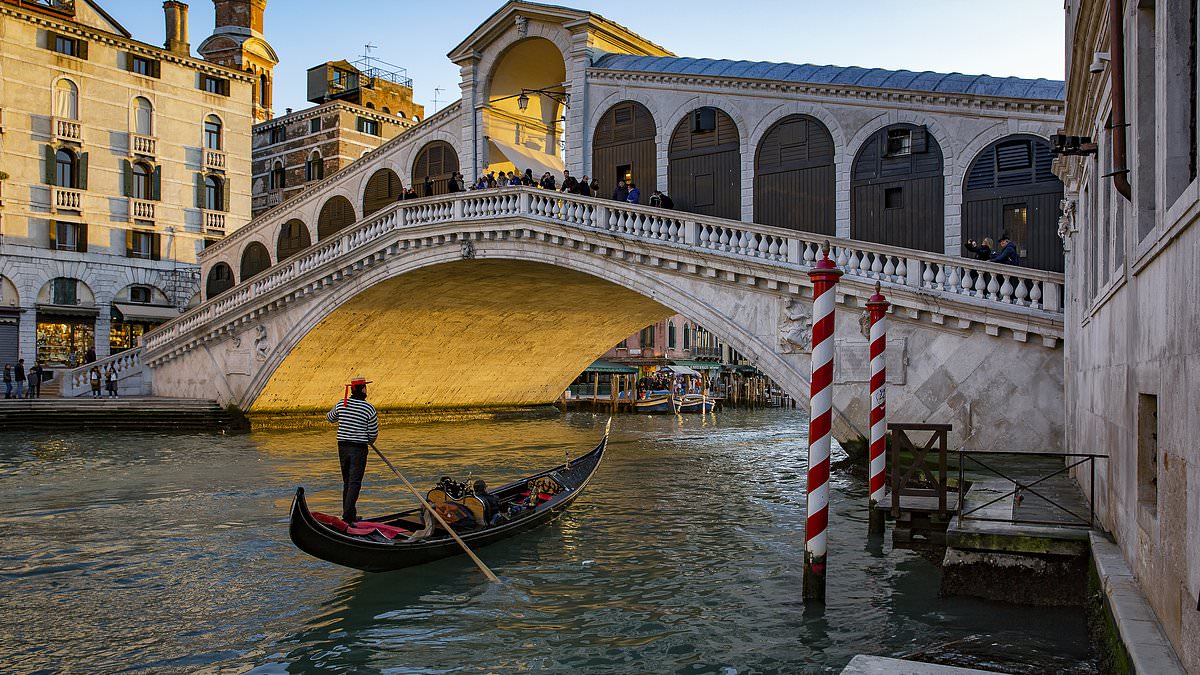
(362, 527)
(542, 496)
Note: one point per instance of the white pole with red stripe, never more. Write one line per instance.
(877, 306)
(824, 276)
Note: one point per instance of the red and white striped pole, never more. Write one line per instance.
(824, 275)
(877, 306)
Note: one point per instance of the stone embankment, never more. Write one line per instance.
(123, 414)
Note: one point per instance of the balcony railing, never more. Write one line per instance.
(214, 223)
(142, 145)
(214, 159)
(141, 209)
(66, 129)
(274, 198)
(66, 199)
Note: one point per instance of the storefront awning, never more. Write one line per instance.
(528, 158)
(681, 370)
(67, 310)
(602, 366)
(145, 313)
(699, 365)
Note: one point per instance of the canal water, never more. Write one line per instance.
(139, 552)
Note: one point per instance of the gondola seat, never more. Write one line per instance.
(360, 528)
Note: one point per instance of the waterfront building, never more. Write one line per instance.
(121, 160)
(359, 106)
(1133, 258)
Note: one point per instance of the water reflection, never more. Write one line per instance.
(682, 557)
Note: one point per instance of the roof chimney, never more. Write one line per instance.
(177, 28)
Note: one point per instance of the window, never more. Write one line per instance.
(69, 237)
(370, 106)
(387, 110)
(368, 126)
(670, 335)
(1015, 217)
(142, 182)
(64, 291)
(899, 142)
(66, 100)
(1147, 449)
(69, 46)
(64, 169)
(893, 198)
(143, 117)
(140, 294)
(214, 194)
(140, 65)
(341, 79)
(214, 85)
(140, 246)
(704, 120)
(212, 132)
(278, 135)
(314, 167)
(264, 91)
(314, 125)
(687, 336)
(278, 176)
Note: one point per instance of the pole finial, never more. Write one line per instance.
(878, 288)
(825, 249)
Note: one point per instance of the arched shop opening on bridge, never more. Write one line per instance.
(383, 188)
(623, 148)
(524, 121)
(293, 238)
(436, 163)
(896, 189)
(794, 182)
(705, 165)
(336, 214)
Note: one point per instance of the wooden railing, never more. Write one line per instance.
(913, 473)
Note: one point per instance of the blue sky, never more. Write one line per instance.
(1012, 37)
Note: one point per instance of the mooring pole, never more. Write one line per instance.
(877, 306)
(824, 276)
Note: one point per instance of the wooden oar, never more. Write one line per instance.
(482, 568)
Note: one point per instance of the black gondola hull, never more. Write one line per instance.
(326, 543)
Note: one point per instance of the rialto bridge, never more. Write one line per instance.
(501, 297)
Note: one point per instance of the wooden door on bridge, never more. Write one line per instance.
(705, 165)
(623, 148)
(794, 184)
(897, 194)
(438, 161)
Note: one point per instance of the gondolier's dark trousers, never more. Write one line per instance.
(353, 457)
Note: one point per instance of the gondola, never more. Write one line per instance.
(384, 548)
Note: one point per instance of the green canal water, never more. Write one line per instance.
(152, 553)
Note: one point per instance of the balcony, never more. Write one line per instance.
(141, 209)
(214, 223)
(142, 145)
(65, 199)
(214, 160)
(274, 198)
(65, 129)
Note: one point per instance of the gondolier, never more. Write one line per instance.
(358, 426)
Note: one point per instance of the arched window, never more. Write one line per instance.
(670, 335)
(896, 189)
(214, 193)
(65, 169)
(278, 176)
(220, 279)
(336, 214)
(143, 117)
(212, 132)
(387, 110)
(314, 167)
(66, 100)
(264, 91)
(293, 238)
(370, 105)
(255, 259)
(687, 336)
(383, 188)
(142, 177)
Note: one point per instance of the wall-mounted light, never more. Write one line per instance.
(1098, 62)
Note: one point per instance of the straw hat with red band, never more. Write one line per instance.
(355, 382)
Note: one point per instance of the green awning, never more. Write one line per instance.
(698, 365)
(746, 370)
(602, 366)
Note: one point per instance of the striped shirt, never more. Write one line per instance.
(357, 422)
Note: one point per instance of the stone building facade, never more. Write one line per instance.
(357, 110)
(121, 161)
(1133, 263)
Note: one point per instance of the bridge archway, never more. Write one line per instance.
(383, 188)
(220, 279)
(437, 162)
(624, 148)
(337, 213)
(523, 118)
(1010, 189)
(896, 189)
(704, 165)
(255, 259)
(293, 238)
(794, 179)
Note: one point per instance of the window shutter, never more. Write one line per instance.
(156, 184)
(81, 237)
(129, 62)
(51, 39)
(155, 246)
(199, 190)
(127, 170)
(82, 47)
(225, 195)
(82, 168)
(53, 235)
(128, 243)
(225, 87)
(156, 69)
(918, 138)
(51, 166)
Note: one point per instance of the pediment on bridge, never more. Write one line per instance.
(519, 15)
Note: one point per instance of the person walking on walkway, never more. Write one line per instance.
(19, 378)
(94, 378)
(358, 426)
(8, 381)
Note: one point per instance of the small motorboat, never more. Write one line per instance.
(694, 403)
(655, 402)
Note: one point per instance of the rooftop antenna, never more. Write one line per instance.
(367, 52)
(436, 92)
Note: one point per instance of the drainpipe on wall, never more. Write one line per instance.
(1116, 49)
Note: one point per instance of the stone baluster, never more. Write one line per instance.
(1021, 293)
(939, 279)
(1035, 294)
(876, 265)
(993, 287)
(1006, 289)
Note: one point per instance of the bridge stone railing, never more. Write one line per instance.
(130, 375)
(1000, 288)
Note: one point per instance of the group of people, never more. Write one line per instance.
(626, 191)
(1006, 254)
(16, 380)
(106, 380)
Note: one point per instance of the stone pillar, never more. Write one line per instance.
(103, 330)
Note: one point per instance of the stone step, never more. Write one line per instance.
(134, 414)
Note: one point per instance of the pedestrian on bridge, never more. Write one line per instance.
(8, 381)
(358, 427)
(1008, 253)
(19, 377)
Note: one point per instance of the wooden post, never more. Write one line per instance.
(595, 389)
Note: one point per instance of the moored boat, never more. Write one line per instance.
(382, 544)
(655, 402)
(693, 403)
